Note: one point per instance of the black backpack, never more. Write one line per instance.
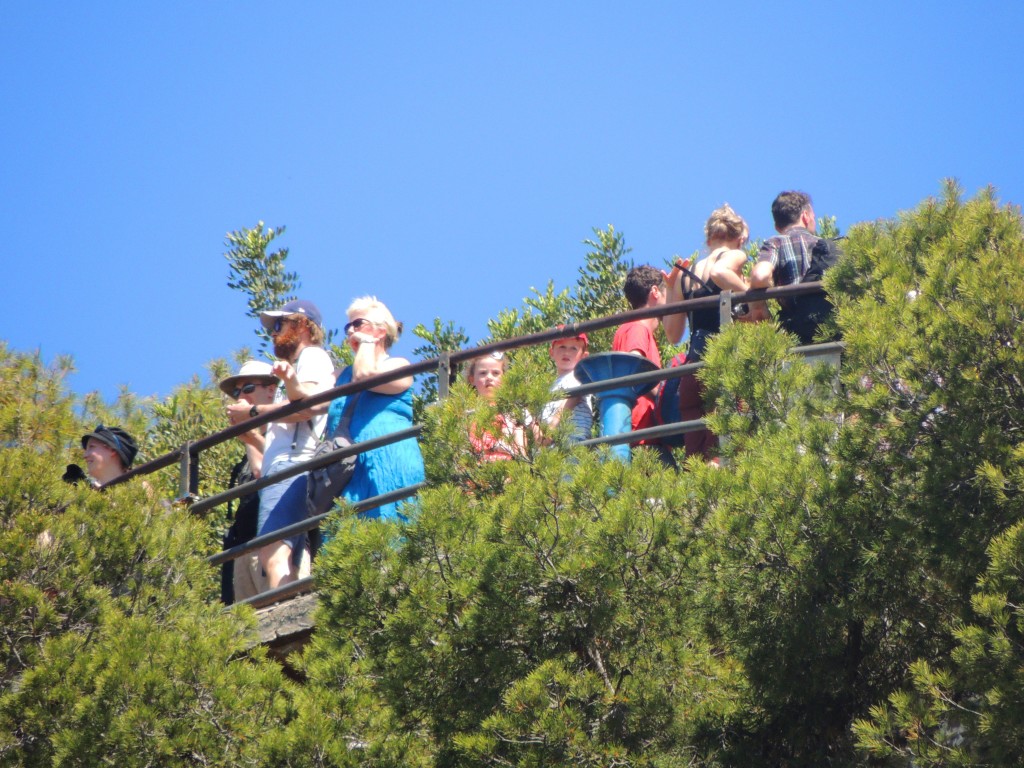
(802, 315)
(247, 509)
(243, 527)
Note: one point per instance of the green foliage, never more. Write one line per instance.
(111, 655)
(828, 227)
(190, 412)
(845, 590)
(598, 290)
(597, 293)
(443, 337)
(35, 406)
(540, 312)
(562, 610)
(534, 614)
(258, 274)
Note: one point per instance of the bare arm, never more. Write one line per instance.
(296, 390)
(761, 277)
(727, 272)
(255, 454)
(674, 325)
(368, 362)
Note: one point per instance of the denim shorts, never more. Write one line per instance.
(284, 503)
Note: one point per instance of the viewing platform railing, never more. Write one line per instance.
(187, 455)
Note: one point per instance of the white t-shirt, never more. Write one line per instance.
(296, 442)
(582, 414)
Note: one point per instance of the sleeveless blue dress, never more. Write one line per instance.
(383, 469)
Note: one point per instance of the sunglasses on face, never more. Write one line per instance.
(244, 390)
(357, 324)
(279, 323)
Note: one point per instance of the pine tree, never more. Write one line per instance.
(113, 651)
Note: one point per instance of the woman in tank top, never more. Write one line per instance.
(725, 233)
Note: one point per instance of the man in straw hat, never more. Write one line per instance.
(243, 577)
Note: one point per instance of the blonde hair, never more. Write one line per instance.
(725, 224)
(373, 309)
(499, 356)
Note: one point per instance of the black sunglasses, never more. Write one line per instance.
(246, 389)
(356, 324)
(279, 323)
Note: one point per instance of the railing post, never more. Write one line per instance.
(188, 474)
(725, 308)
(444, 374)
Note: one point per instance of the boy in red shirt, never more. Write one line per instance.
(645, 287)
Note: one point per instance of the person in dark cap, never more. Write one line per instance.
(109, 453)
(298, 335)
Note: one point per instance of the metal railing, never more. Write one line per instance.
(187, 455)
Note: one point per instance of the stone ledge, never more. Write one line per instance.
(285, 627)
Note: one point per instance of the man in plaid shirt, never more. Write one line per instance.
(783, 259)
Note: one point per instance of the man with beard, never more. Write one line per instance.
(298, 335)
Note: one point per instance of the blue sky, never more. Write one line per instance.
(449, 156)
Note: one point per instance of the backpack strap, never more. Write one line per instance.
(346, 416)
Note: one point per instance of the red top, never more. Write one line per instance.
(637, 337)
(492, 448)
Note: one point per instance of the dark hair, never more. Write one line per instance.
(787, 208)
(639, 281)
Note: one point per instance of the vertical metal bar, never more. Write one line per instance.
(193, 475)
(725, 308)
(185, 470)
(724, 319)
(444, 374)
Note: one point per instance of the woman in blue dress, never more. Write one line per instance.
(370, 331)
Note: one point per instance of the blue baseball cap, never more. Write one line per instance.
(296, 307)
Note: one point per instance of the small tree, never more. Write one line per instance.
(258, 274)
(598, 291)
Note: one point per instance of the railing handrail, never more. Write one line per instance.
(431, 364)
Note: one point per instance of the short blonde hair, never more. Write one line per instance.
(725, 224)
(372, 308)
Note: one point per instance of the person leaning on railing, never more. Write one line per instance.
(298, 336)
(646, 286)
(382, 410)
(243, 577)
(721, 270)
(784, 258)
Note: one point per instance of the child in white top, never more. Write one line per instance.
(566, 353)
